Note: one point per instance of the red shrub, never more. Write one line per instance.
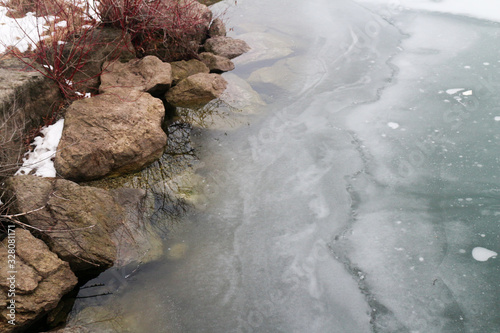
(169, 29)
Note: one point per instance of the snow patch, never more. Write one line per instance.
(482, 254)
(39, 162)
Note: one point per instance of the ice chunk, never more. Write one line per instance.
(482, 254)
(393, 125)
(454, 91)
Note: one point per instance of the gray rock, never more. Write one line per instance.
(215, 63)
(182, 69)
(217, 28)
(148, 74)
(226, 46)
(196, 90)
(78, 219)
(41, 280)
(110, 134)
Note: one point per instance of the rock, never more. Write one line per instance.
(110, 134)
(215, 63)
(105, 44)
(265, 46)
(217, 28)
(226, 46)
(41, 280)
(26, 97)
(148, 74)
(208, 2)
(79, 219)
(240, 95)
(289, 74)
(182, 69)
(135, 239)
(197, 89)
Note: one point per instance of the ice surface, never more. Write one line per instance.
(319, 216)
(40, 161)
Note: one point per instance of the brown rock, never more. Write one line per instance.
(110, 134)
(226, 46)
(217, 28)
(216, 64)
(182, 69)
(148, 74)
(106, 44)
(80, 219)
(45, 289)
(196, 89)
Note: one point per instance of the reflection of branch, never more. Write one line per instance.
(103, 294)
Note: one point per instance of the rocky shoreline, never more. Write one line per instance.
(69, 232)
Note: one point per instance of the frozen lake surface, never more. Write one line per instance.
(362, 193)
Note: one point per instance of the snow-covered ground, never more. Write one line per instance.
(39, 161)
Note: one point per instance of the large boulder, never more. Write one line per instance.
(182, 69)
(148, 74)
(196, 90)
(226, 46)
(76, 221)
(41, 279)
(216, 64)
(110, 134)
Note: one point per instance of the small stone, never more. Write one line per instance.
(226, 46)
(216, 64)
(196, 90)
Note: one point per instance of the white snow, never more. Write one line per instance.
(39, 161)
(497, 118)
(467, 93)
(393, 125)
(20, 32)
(25, 32)
(483, 254)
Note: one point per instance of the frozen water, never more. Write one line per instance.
(353, 201)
